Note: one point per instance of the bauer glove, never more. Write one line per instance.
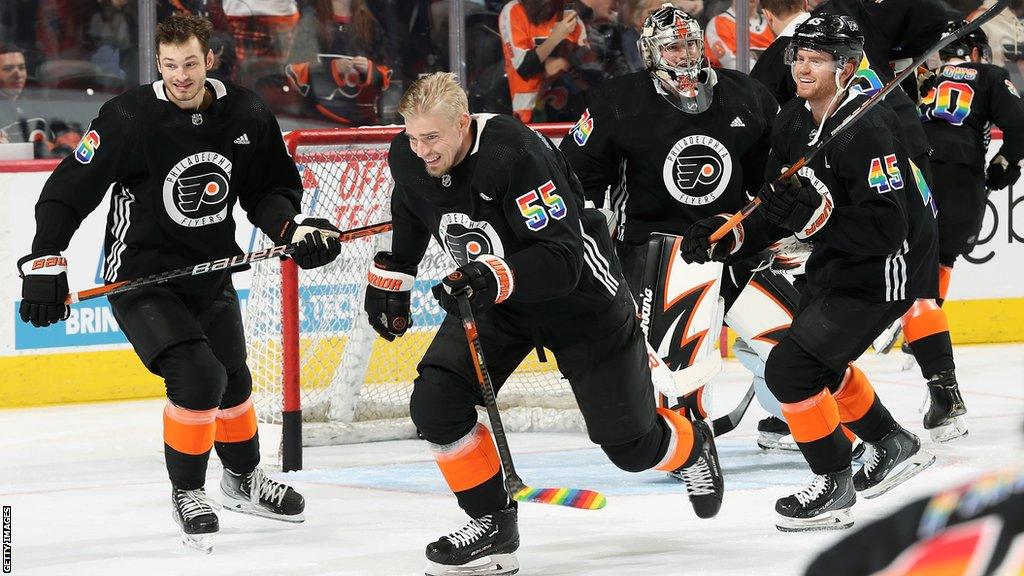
(696, 247)
(44, 286)
(488, 279)
(387, 296)
(795, 205)
(1001, 174)
(313, 248)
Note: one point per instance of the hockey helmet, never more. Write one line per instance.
(834, 34)
(962, 47)
(672, 47)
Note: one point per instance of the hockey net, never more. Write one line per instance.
(352, 385)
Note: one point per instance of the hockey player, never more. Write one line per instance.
(873, 252)
(180, 152)
(675, 143)
(540, 271)
(966, 97)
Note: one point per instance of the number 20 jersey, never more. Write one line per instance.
(513, 196)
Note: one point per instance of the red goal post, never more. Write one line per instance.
(318, 369)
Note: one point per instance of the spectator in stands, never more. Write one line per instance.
(720, 36)
(113, 29)
(349, 76)
(604, 35)
(538, 37)
(262, 28)
(18, 126)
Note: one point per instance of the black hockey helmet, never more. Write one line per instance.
(835, 34)
(961, 47)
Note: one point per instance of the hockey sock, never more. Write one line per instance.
(945, 274)
(679, 450)
(188, 436)
(471, 467)
(859, 407)
(236, 440)
(927, 333)
(814, 423)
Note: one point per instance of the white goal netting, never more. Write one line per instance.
(355, 386)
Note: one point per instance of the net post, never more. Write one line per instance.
(291, 417)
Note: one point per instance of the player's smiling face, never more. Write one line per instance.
(815, 75)
(438, 140)
(183, 68)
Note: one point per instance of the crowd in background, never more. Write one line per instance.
(322, 63)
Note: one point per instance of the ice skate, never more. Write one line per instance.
(824, 504)
(703, 478)
(257, 494)
(193, 512)
(890, 462)
(773, 434)
(884, 342)
(485, 547)
(944, 418)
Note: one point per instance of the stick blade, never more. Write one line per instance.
(571, 497)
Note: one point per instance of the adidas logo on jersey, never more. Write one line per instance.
(737, 123)
(243, 139)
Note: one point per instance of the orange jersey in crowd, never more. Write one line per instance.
(519, 36)
(720, 38)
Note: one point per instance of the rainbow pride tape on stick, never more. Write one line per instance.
(572, 497)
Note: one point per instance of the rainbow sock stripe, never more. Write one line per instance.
(572, 497)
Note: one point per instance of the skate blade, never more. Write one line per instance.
(197, 544)
(246, 507)
(493, 565)
(955, 428)
(835, 520)
(904, 471)
(777, 442)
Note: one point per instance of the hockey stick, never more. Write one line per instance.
(213, 266)
(727, 423)
(859, 112)
(572, 497)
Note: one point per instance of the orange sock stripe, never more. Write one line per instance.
(855, 395)
(189, 431)
(846, 431)
(812, 419)
(236, 424)
(681, 443)
(924, 319)
(469, 461)
(945, 274)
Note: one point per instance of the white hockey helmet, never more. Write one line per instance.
(672, 47)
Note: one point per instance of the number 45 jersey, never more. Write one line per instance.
(514, 197)
(965, 100)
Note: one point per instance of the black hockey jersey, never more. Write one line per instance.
(772, 71)
(667, 169)
(513, 196)
(976, 528)
(880, 242)
(960, 108)
(176, 176)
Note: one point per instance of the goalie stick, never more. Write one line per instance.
(215, 265)
(860, 111)
(572, 497)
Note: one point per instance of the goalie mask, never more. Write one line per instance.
(962, 47)
(672, 47)
(839, 36)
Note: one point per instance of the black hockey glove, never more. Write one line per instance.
(488, 279)
(1001, 174)
(312, 247)
(796, 206)
(387, 296)
(696, 247)
(44, 285)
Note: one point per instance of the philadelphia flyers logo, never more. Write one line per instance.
(465, 239)
(697, 170)
(196, 190)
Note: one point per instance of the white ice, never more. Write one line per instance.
(90, 496)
